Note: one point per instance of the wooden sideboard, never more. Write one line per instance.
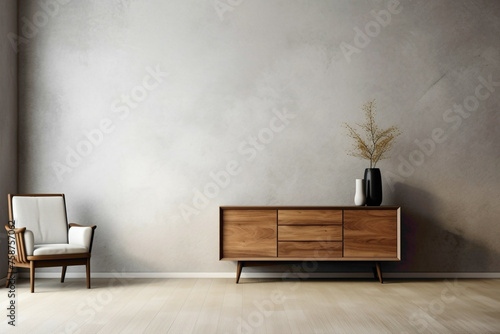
(257, 235)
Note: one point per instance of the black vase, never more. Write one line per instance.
(373, 186)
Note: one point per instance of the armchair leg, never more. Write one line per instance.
(63, 274)
(88, 273)
(9, 275)
(32, 276)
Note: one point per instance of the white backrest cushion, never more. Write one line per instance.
(45, 216)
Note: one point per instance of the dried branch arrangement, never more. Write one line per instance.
(370, 142)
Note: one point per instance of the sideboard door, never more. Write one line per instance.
(247, 234)
(371, 234)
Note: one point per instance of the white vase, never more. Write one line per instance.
(359, 196)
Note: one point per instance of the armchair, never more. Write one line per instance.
(43, 236)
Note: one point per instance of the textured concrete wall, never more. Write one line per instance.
(8, 117)
(151, 114)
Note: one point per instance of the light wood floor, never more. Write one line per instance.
(255, 306)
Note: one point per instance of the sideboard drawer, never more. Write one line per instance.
(309, 217)
(309, 249)
(310, 233)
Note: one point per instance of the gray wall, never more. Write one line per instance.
(8, 118)
(133, 108)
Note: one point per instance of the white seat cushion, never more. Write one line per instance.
(52, 249)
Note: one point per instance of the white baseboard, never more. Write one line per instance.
(405, 275)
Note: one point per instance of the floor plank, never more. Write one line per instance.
(211, 309)
(254, 306)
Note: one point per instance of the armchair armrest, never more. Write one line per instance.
(29, 242)
(81, 235)
(25, 242)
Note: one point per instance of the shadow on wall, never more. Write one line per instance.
(427, 243)
(427, 246)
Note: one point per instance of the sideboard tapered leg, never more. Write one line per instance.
(379, 272)
(238, 270)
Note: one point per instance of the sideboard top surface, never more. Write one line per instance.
(345, 207)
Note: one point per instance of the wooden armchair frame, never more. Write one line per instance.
(22, 260)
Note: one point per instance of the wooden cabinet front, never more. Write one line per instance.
(371, 234)
(310, 233)
(248, 234)
(312, 250)
(310, 217)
